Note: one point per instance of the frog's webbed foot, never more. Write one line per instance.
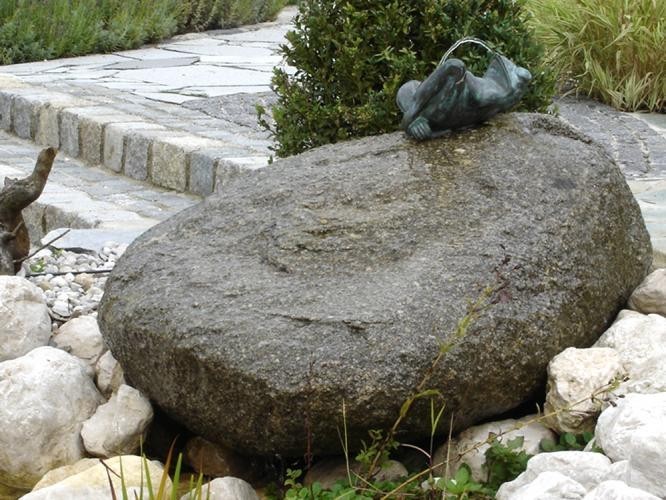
(420, 129)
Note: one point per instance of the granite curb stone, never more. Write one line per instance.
(115, 142)
(136, 145)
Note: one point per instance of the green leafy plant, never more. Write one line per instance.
(37, 265)
(461, 485)
(505, 461)
(567, 441)
(340, 490)
(614, 49)
(351, 57)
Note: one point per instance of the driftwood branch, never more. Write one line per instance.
(16, 195)
(45, 245)
(65, 273)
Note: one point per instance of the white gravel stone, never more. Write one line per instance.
(81, 337)
(618, 490)
(109, 374)
(92, 483)
(59, 281)
(118, 426)
(574, 377)
(637, 337)
(648, 377)
(73, 295)
(45, 396)
(24, 317)
(227, 488)
(61, 308)
(650, 296)
(617, 424)
(549, 485)
(633, 431)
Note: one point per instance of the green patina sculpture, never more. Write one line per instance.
(452, 97)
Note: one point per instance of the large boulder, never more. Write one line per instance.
(333, 278)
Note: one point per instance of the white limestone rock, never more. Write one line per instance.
(62, 308)
(649, 377)
(618, 490)
(330, 470)
(118, 426)
(647, 461)
(546, 486)
(227, 488)
(25, 323)
(465, 449)
(617, 424)
(45, 396)
(637, 338)
(573, 376)
(81, 338)
(93, 482)
(587, 469)
(650, 296)
(58, 474)
(109, 375)
(619, 471)
(633, 431)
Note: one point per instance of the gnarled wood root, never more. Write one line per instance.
(14, 197)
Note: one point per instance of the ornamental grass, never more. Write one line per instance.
(614, 50)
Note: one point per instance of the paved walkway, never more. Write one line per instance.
(172, 122)
(125, 111)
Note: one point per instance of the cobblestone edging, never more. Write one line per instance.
(176, 148)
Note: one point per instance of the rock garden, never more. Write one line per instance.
(474, 316)
(375, 284)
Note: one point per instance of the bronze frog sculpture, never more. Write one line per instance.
(452, 97)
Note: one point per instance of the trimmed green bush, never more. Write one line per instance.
(614, 49)
(352, 56)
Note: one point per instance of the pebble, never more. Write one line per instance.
(76, 293)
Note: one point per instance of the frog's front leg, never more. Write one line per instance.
(420, 129)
